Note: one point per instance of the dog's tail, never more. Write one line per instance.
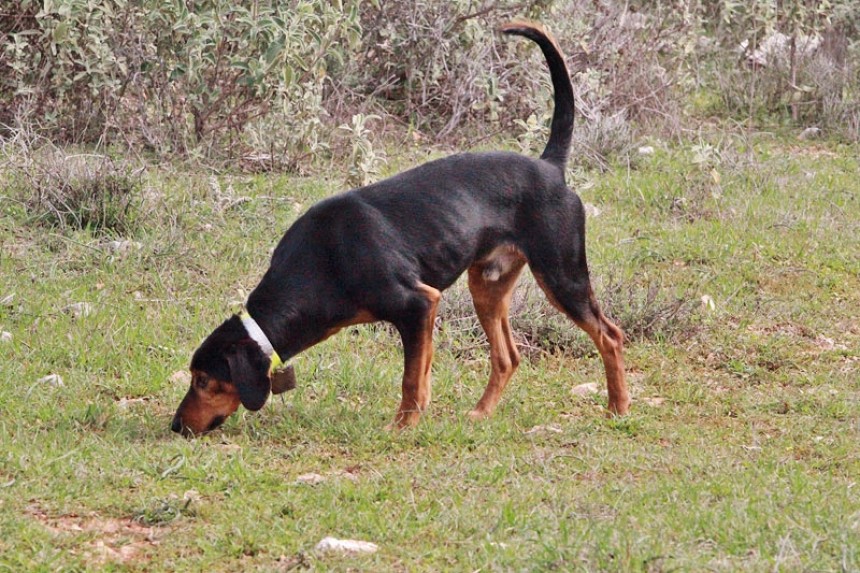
(561, 130)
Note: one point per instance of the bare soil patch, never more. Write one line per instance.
(103, 539)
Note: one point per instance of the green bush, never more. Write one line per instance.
(173, 76)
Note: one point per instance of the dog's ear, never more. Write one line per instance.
(249, 370)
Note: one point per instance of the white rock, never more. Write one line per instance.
(591, 210)
(310, 479)
(80, 309)
(229, 448)
(542, 429)
(330, 544)
(586, 389)
(123, 246)
(53, 380)
(181, 377)
(810, 133)
(646, 150)
(346, 475)
(124, 403)
(5, 336)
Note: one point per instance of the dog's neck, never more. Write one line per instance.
(289, 331)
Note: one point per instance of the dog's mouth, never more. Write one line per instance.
(214, 424)
(180, 428)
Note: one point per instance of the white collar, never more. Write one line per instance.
(257, 335)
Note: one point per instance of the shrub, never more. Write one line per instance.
(73, 190)
(174, 76)
(799, 63)
(643, 309)
(84, 192)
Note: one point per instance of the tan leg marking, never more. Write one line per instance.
(609, 340)
(361, 317)
(492, 300)
(416, 373)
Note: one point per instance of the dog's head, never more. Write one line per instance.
(228, 369)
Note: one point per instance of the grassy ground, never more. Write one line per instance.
(732, 263)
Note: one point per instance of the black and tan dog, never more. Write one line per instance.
(388, 250)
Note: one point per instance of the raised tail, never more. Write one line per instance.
(561, 130)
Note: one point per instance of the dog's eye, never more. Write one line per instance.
(201, 382)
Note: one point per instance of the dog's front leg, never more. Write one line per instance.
(416, 331)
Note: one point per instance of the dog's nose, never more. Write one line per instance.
(176, 426)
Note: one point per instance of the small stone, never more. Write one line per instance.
(229, 448)
(330, 544)
(585, 390)
(124, 403)
(646, 150)
(542, 429)
(810, 133)
(310, 479)
(123, 246)
(80, 309)
(345, 474)
(53, 379)
(181, 377)
(591, 210)
(5, 336)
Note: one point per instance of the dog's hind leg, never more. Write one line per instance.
(416, 330)
(492, 289)
(576, 299)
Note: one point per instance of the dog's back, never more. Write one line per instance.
(470, 199)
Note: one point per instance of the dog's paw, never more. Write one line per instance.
(618, 408)
(404, 420)
(477, 415)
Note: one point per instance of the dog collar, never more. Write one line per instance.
(257, 335)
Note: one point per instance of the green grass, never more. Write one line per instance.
(742, 450)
